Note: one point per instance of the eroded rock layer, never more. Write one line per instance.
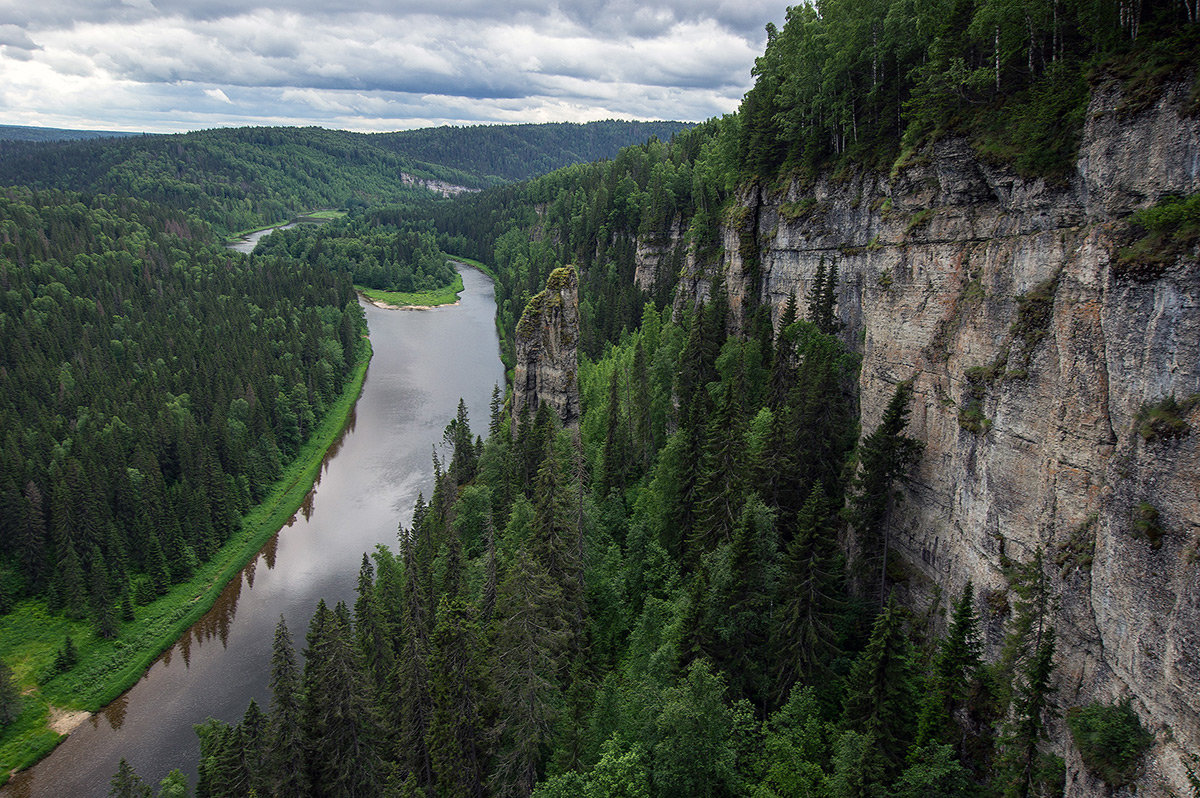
(546, 345)
(1040, 366)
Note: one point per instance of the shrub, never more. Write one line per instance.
(1164, 418)
(1158, 235)
(1110, 739)
(1146, 526)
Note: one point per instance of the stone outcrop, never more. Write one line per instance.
(547, 339)
(436, 186)
(1036, 362)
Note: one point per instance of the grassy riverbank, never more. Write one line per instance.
(316, 216)
(446, 295)
(30, 636)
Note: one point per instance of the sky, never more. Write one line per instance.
(172, 65)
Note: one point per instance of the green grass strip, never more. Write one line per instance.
(446, 295)
(483, 267)
(326, 214)
(30, 635)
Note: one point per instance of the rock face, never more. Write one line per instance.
(436, 186)
(547, 338)
(1035, 361)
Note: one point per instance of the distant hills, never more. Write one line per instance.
(241, 178)
(26, 133)
(519, 152)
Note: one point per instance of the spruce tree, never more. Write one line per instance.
(126, 783)
(884, 457)
(720, 487)
(747, 608)
(810, 595)
(285, 747)
(530, 641)
(881, 689)
(343, 753)
(955, 674)
(456, 735)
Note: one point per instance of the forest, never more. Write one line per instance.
(155, 385)
(377, 249)
(244, 178)
(689, 593)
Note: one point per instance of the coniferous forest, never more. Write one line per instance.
(685, 594)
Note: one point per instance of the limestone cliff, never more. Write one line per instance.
(1039, 367)
(546, 342)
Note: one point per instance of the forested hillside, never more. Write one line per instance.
(243, 178)
(519, 152)
(379, 249)
(27, 133)
(155, 386)
(689, 594)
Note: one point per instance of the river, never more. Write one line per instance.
(247, 243)
(424, 361)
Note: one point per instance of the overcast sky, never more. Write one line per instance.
(172, 65)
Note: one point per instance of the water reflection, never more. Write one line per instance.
(368, 485)
(115, 712)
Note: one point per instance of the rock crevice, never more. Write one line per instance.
(547, 340)
(1035, 362)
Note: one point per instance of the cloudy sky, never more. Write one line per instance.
(171, 65)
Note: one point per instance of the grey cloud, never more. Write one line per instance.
(16, 37)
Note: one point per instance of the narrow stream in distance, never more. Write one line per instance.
(424, 362)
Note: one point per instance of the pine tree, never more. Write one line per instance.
(881, 688)
(285, 760)
(126, 783)
(810, 594)
(884, 457)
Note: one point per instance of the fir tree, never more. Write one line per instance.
(285, 761)
(881, 688)
(126, 783)
(884, 457)
(810, 594)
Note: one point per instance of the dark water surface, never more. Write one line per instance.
(424, 361)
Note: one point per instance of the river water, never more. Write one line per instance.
(424, 361)
(246, 244)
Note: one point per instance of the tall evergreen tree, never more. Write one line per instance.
(285, 761)
(126, 783)
(456, 735)
(884, 457)
(881, 689)
(955, 674)
(810, 594)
